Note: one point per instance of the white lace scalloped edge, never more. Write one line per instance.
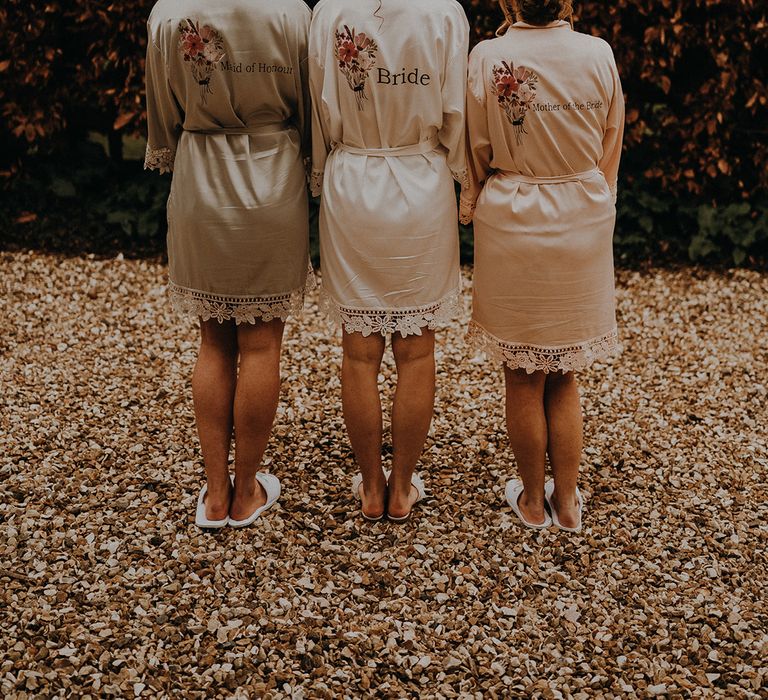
(535, 358)
(466, 211)
(391, 321)
(159, 159)
(462, 177)
(316, 182)
(207, 307)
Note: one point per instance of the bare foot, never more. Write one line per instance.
(247, 499)
(533, 512)
(217, 501)
(373, 499)
(567, 510)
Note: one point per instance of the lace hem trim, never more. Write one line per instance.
(390, 321)
(466, 211)
(316, 182)
(207, 307)
(159, 159)
(534, 358)
(462, 177)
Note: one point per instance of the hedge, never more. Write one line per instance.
(694, 72)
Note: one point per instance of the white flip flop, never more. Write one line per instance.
(271, 486)
(418, 483)
(201, 519)
(549, 489)
(512, 492)
(357, 482)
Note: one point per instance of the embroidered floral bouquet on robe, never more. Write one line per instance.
(356, 54)
(203, 47)
(515, 89)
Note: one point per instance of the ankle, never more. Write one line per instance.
(219, 487)
(398, 492)
(531, 502)
(565, 499)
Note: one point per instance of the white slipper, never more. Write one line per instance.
(201, 519)
(271, 486)
(549, 489)
(418, 483)
(357, 482)
(512, 492)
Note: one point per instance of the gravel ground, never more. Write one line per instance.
(108, 589)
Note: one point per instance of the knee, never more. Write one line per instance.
(557, 380)
(519, 380)
(260, 338)
(218, 338)
(414, 349)
(364, 351)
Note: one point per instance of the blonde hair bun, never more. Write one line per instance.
(538, 12)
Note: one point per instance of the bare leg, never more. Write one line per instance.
(362, 414)
(213, 389)
(411, 414)
(527, 428)
(565, 425)
(256, 398)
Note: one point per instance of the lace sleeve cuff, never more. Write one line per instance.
(160, 159)
(316, 183)
(614, 192)
(462, 177)
(466, 210)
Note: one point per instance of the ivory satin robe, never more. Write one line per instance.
(228, 113)
(388, 122)
(545, 115)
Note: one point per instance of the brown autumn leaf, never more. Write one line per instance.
(122, 120)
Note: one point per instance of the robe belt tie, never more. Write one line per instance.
(263, 128)
(417, 149)
(553, 180)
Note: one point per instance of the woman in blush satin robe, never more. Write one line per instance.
(388, 82)
(545, 122)
(228, 113)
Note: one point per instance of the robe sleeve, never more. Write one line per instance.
(164, 114)
(303, 107)
(479, 152)
(614, 133)
(454, 93)
(321, 140)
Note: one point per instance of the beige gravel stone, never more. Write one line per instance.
(108, 590)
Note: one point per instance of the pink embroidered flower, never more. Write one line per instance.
(207, 33)
(192, 44)
(515, 91)
(507, 85)
(526, 94)
(203, 48)
(356, 56)
(522, 74)
(362, 42)
(348, 51)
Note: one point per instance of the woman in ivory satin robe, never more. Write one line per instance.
(545, 122)
(388, 82)
(228, 113)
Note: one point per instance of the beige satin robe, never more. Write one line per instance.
(388, 121)
(228, 113)
(545, 123)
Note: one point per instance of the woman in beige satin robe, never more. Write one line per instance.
(228, 114)
(388, 83)
(545, 122)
